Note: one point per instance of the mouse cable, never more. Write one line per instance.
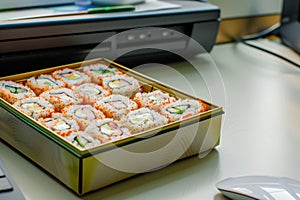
(272, 53)
(264, 33)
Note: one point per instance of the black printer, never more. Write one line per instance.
(32, 44)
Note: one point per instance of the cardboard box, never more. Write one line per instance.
(88, 170)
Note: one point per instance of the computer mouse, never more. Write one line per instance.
(260, 188)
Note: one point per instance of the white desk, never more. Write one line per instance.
(260, 134)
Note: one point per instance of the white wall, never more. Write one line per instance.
(245, 8)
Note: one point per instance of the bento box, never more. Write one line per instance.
(93, 123)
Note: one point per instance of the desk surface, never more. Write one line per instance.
(260, 133)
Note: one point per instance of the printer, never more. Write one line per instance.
(32, 44)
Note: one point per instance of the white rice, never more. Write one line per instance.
(60, 124)
(123, 85)
(100, 70)
(83, 114)
(181, 109)
(115, 106)
(90, 92)
(35, 107)
(12, 91)
(43, 83)
(82, 140)
(71, 77)
(143, 119)
(103, 131)
(154, 100)
(61, 98)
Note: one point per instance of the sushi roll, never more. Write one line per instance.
(61, 98)
(83, 114)
(82, 140)
(43, 83)
(153, 100)
(100, 70)
(12, 91)
(182, 109)
(90, 92)
(71, 77)
(115, 106)
(35, 107)
(60, 124)
(123, 85)
(107, 130)
(143, 119)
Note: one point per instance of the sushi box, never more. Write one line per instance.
(87, 169)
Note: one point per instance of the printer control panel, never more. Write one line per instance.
(170, 38)
(149, 35)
